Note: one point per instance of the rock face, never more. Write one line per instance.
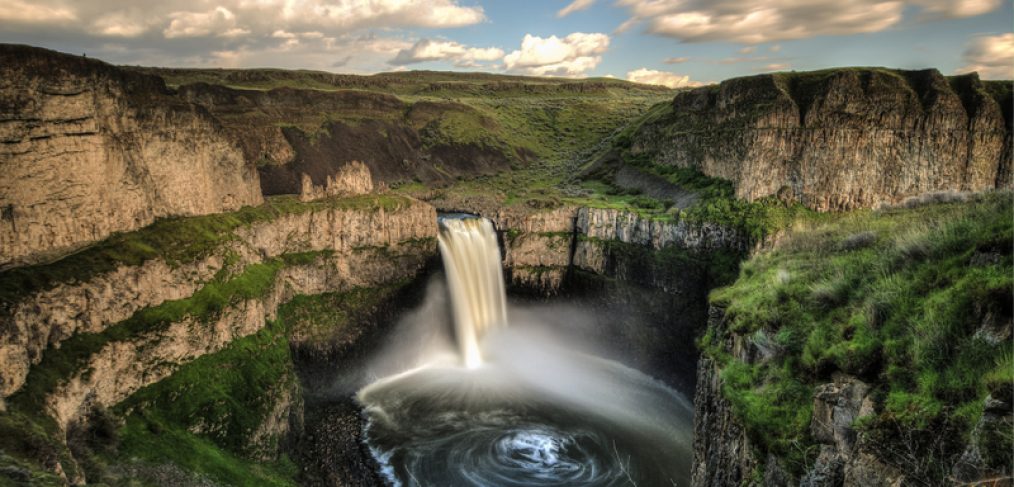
(297, 133)
(122, 367)
(350, 179)
(840, 139)
(89, 149)
(46, 318)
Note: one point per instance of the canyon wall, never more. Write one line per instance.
(43, 319)
(841, 138)
(88, 150)
(294, 134)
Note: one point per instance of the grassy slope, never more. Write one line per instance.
(894, 297)
(561, 122)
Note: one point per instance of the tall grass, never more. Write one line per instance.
(896, 297)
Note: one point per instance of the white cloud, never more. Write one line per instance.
(20, 11)
(199, 24)
(991, 56)
(775, 48)
(663, 78)
(775, 67)
(950, 9)
(232, 18)
(747, 50)
(575, 6)
(762, 21)
(676, 60)
(119, 24)
(573, 55)
(440, 50)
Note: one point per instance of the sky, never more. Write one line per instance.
(668, 42)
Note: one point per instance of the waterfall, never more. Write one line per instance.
(471, 258)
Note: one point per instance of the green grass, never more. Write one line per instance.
(894, 297)
(326, 317)
(61, 363)
(202, 418)
(176, 240)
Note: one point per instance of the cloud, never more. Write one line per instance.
(676, 60)
(773, 20)
(953, 9)
(663, 78)
(992, 56)
(774, 67)
(120, 24)
(19, 11)
(573, 55)
(439, 50)
(199, 24)
(224, 18)
(575, 6)
(747, 50)
(311, 34)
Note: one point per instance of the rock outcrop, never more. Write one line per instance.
(296, 133)
(350, 179)
(842, 138)
(46, 318)
(89, 149)
(120, 368)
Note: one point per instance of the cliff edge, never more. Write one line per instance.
(88, 149)
(838, 139)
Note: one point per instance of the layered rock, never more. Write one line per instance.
(120, 368)
(293, 134)
(839, 139)
(350, 179)
(89, 149)
(47, 317)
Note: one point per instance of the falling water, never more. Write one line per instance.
(472, 260)
(515, 406)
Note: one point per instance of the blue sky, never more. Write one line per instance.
(704, 40)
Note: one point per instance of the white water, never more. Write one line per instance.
(472, 260)
(519, 406)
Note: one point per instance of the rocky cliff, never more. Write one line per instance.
(841, 138)
(291, 132)
(88, 149)
(44, 318)
(128, 337)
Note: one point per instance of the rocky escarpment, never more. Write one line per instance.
(87, 149)
(841, 138)
(296, 133)
(343, 229)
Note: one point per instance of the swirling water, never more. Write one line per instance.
(532, 411)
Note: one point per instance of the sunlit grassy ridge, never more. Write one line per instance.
(896, 297)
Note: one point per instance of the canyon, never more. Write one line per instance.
(161, 226)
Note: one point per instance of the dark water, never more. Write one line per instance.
(534, 415)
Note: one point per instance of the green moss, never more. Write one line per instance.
(176, 240)
(61, 363)
(900, 310)
(203, 417)
(327, 316)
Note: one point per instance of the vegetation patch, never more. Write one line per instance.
(176, 240)
(205, 417)
(901, 298)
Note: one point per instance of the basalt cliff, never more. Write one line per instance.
(839, 139)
